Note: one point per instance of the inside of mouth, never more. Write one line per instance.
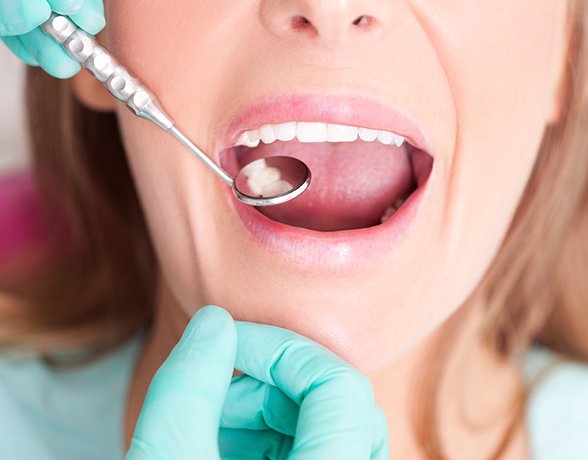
(354, 184)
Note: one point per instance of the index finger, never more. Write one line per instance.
(336, 401)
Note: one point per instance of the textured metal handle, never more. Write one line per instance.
(104, 67)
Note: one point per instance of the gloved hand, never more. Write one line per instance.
(20, 31)
(296, 400)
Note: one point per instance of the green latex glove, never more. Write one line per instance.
(296, 400)
(20, 31)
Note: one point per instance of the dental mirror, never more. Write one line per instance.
(271, 181)
(263, 182)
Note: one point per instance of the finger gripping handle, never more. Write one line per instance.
(104, 68)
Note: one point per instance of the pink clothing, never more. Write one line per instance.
(21, 223)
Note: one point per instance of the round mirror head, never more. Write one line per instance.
(270, 181)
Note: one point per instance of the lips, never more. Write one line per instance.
(303, 224)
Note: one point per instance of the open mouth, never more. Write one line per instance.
(360, 177)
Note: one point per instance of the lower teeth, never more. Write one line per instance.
(392, 209)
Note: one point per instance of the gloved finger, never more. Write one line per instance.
(14, 45)
(336, 401)
(66, 6)
(238, 444)
(90, 17)
(255, 405)
(181, 413)
(380, 443)
(49, 54)
(18, 17)
(249, 406)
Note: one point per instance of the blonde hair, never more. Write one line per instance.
(95, 286)
(535, 289)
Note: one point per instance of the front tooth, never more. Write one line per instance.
(398, 140)
(385, 137)
(368, 135)
(285, 132)
(341, 133)
(311, 132)
(267, 134)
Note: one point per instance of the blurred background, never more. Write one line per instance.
(13, 150)
(21, 225)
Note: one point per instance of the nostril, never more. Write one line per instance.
(363, 21)
(300, 22)
(327, 28)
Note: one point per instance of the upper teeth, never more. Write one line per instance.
(316, 132)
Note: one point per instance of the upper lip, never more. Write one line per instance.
(350, 110)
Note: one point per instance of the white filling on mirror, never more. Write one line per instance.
(276, 188)
(265, 181)
(316, 132)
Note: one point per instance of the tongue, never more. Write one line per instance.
(353, 183)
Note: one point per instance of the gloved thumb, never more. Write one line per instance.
(181, 415)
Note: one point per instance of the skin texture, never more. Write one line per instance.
(480, 78)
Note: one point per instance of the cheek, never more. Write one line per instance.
(179, 52)
(500, 64)
(158, 44)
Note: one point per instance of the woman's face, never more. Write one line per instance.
(477, 82)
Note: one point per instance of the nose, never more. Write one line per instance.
(329, 21)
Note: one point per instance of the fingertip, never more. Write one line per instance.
(91, 23)
(96, 25)
(64, 70)
(214, 315)
(213, 311)
(211, 322)
(49, 54)
(90, 17)
(66, 6)
(58, 64)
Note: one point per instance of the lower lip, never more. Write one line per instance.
(329, 251)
